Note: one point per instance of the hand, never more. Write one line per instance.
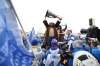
(60, 18)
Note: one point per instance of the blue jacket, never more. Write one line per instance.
(96, 53)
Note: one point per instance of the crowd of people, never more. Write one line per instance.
(58, 47)
(61, 47)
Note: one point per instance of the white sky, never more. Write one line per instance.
(75, 13)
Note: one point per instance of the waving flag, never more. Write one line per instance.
(32, 35)
(13, 52)
(34, 38)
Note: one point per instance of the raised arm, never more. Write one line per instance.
(65, 28)
(57, 23)
(45, 23)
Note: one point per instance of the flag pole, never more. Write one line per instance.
(14, 11)
(28, 46)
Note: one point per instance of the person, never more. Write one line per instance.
(61, 33)
(51, 32)
(93, 31)
(69, 38)
(52, 56)
(38, 53)
(95, 50)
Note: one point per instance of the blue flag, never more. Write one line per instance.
(32, 35)
(13, 52)
(34, 39)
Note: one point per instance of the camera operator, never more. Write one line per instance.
(93, 31)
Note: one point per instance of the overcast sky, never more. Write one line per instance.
(75, 13)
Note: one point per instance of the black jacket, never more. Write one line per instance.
(94, 33)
